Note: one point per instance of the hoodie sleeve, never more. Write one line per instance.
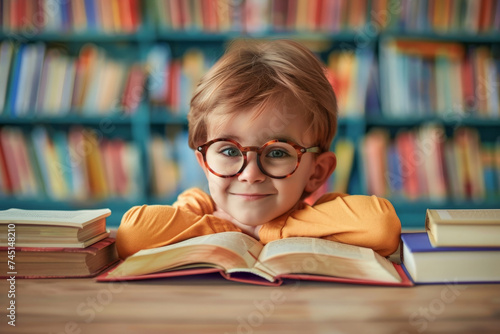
(366, 221)
(150, 226)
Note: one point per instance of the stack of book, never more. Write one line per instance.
(458, 246)
(43, 243)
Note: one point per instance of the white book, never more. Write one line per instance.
(53, 228)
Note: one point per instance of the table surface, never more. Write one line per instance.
(210, 304)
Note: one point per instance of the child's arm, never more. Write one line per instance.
(152, 226)
(366, 221)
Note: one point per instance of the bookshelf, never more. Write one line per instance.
(356, 37)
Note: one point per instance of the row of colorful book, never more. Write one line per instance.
(458, 246)
(82, 164)
(172, 80)
(420, 78)
(55, 244)
(416, 78)
(35, 16)
(423, 163)
(126, 16)
(253, 16)
(43, 80)
(77, 165)
(362, 16)
(451, 16)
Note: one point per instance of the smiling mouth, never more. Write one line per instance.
(251, 197)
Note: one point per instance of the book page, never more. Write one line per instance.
(471, 215)
(313, 246)
(239, 243)
(325, 257)
(76, 218)
(227, 250)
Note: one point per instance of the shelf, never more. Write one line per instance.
(106, 120)
(449, 121)
(163, 117)
(412, 214)
(78, 37)
(198, 36)
(463, 37)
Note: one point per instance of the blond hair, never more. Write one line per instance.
(266, 76)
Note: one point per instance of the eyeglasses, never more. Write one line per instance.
(277, 158)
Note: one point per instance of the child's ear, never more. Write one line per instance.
(324, 166)
(199, 158)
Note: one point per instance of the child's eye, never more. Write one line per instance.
(231, 152)
(277, 154)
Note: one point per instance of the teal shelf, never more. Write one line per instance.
(112, 118)
(462, 36)
(412, 214)
(78, 37)
(190, 36)
(446, 121)
(164, 117)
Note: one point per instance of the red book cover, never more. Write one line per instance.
(118, 152)
(135, 14)
(134, 88)
(279, 12)
(10, 160)
(485, 15)
(4, 171)
(468, 84)
(175, 81)
(92, 250)
(405, 143)
(209, 10)
(256, 280)
(291, 16)
(125, 16)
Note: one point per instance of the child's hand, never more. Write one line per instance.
(250, 230)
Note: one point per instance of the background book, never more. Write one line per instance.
(427, 164)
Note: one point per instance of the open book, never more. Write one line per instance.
(240, 257)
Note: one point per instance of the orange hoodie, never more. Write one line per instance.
(366, 221)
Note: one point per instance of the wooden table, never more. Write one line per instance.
(210, 304)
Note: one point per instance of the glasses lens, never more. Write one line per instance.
(279, 159)
(224, 158)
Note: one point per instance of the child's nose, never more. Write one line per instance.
(252, 172)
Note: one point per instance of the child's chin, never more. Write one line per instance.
(254, 220)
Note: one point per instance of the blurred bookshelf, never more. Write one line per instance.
(94, 96)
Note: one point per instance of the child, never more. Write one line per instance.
(261, 123)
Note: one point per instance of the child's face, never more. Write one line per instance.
(252, 198)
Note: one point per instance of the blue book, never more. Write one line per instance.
(90, 11)
(66, 18)
(15, 79)
(395, 176)
(426, 264)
